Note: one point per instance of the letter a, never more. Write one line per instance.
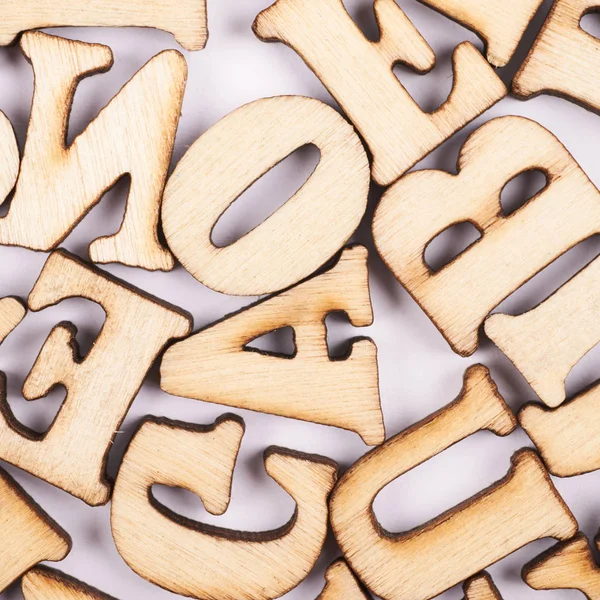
(214, 365)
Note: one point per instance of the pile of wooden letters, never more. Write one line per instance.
(311, 273)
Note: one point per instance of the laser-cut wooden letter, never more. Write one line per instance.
(341, 584)
(297, 238)
(211, 563)
(416, 565)
(512, 249)
(563, 60)
(43, 583)
(12, 310)
(500, 25)
(213, 365)
(28, 535)
(481, 587)
(185, 19)
(567, 437)
(358, 73)
(569, 565)
(100, 386)
(12, 313)
(132, 135)
(547, 342)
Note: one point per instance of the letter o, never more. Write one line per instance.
(297, 238)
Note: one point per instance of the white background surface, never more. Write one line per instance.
(419, 373)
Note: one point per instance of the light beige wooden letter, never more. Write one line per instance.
(480, 587)
(211, 563)
(133, 135)
(547, 342)
(12, 310)
(214, 365)
(43, 583)
(100, 386)
(569, 565)
(358, 73)
(185, 19)
(340, 584)
(27, 534)
(297, 238)
(428, 560)
(564, 59)
(567, 437)
(500, 24)
(12, 313)
(512, 248)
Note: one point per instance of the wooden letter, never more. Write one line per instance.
(27, 534)
(211, 563)
(512, 249)
(501, 25)
(564, 58)
(301, 235)
(12, 313)
(430, 559)
(547, 342)
(214, 365)
(9, 157)
(480, 587)
(185, 19)
(341, 584)
(43, 583)
(100, 386)
(358, 73)
(133, 135)
(569, 565)
(12, 310)
(567, 437)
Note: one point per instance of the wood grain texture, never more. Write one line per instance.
(12, 312)
(43, 583)
(206, 562)
(340, 584)
(426, 561)
(185, 19)
(214, 365)
(27, 534)
(100, 386)
(512, 249)
(546, 342)
(297, 238)
(358, 73)
(569, 565)
(480, 587)
(500, 24)
(564, 59)
(567, 436)
(133, 135)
